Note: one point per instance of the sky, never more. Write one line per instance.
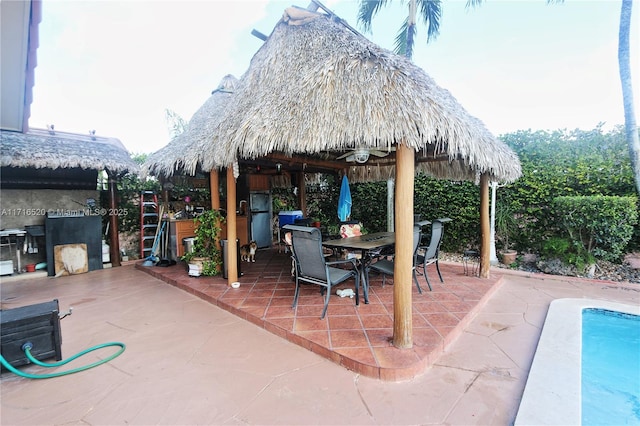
(116, 67)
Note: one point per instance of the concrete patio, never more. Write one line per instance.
(190, 362)
(356, 337)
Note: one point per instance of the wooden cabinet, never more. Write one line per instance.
(259, 183)
(179, 229)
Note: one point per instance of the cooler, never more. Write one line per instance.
(289, 217)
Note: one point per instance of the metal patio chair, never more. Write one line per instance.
(312, 267)
(428, 255)
(385, 266)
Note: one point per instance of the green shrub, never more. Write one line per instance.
(555, 247)
(460, 201)
(597, 225)
(554, 163)
(564, 163)
(207, 234)
(570, 252)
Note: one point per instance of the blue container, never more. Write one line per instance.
(289, 217)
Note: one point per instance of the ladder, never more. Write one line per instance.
(149, 221)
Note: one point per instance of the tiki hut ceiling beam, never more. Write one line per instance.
(258, 34)
(302, 162)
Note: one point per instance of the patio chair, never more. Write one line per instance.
(385, 266)
(312, 267)
(428, 255)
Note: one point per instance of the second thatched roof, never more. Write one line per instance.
(181, 155)
(48, 149)
(317, 87)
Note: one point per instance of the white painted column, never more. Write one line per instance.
(493, 258)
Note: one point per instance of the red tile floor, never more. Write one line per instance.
(356, 337)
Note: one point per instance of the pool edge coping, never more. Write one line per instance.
(552, 393)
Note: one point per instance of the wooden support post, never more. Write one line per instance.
(214, 189)
(114, 242)
(403, 267)
(232, 250)
(302, 193)
(165, 200)
(485, 228)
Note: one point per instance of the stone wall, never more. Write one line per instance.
(23, 207)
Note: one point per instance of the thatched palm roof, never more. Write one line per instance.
(181, 154)
(44, 149)
(317, 87)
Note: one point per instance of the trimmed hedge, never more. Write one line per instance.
(598, 225)
(555, 164)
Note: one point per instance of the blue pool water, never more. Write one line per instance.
(610, 368)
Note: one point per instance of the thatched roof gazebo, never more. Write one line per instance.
(316, 88)
(181, 154)
(73, 154)
(49, 149)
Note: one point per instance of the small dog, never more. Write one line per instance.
(248, 251)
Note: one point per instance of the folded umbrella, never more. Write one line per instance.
(344, 202)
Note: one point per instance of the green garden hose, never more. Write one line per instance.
(27, 350)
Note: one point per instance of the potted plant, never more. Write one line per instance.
(505, 225)
(206, 258)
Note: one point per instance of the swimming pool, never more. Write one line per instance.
(553, 393)
(610, 367)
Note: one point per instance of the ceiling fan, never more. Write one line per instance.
(361, 155)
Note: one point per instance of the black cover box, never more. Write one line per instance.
(38, 324)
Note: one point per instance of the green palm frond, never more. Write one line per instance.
(405, 40)
(400, 44)
(367, 10)
(473, 3)
(431, 13)
(411, 33)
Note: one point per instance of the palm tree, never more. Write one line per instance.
(630, 125)
(624, 67)
(176, 124)
(430, 12)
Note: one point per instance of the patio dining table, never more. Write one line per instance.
(367, 244)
